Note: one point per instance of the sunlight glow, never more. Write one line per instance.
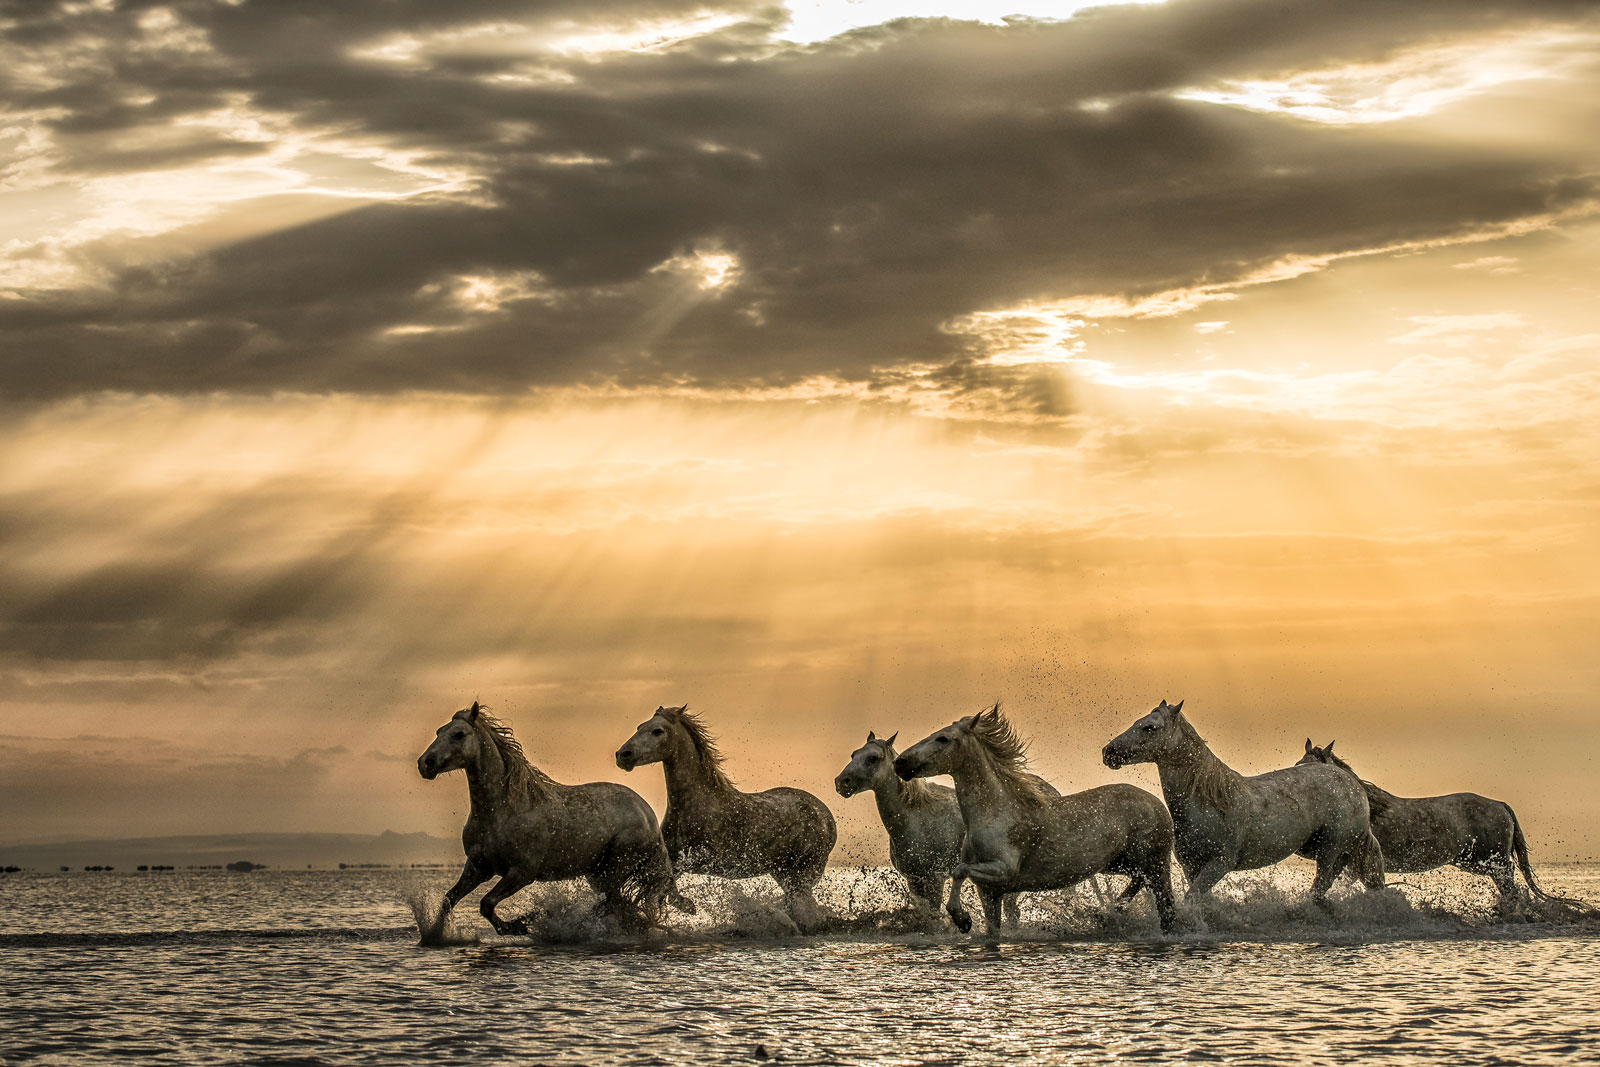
(1413, 84)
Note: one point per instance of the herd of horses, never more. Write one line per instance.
(1003, 828)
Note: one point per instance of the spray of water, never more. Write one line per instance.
(436, 927)
(872, 904)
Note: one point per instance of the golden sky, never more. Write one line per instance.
(830, 367)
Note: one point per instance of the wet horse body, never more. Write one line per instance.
(1226, 821)
(923, 820)
(525, 827)
(712, 827)
(1465, 830)
(1021, 838)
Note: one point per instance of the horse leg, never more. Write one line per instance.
(1371, 866)
(472, 876)
(1209, 874)
(1126, 896)
(991, 911)
(1329, 864)
(1500, 870)
(799, 897)
(1160, 882)
(924, 890)
(505, 887)
(1010, 911)
(953, 908)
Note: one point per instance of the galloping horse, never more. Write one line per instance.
(526, 827)
(1228, 822)
(711, 827)
(923, 819)
(1021, 838)
(1463, 830)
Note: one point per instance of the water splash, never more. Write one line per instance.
(873, 904)
(437, 928)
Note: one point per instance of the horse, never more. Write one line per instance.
(711, 827)
(923, 819)
(1465, 830)
(1226, 821)
(1021, 838)
(526, 827)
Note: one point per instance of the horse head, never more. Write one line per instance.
(1147, 740)
(1322, 755)
(455, 745)
(868, 764)
(653, 739)
(936, 753)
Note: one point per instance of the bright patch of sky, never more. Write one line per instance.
(818, 20)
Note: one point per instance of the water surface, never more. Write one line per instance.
(324, 967)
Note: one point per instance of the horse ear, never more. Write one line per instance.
(1328, 747)
(1308, 746)
(1177, 709)
(871, 736)
(891, 738)
(472, 712)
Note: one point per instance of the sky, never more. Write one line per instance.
(829, 367)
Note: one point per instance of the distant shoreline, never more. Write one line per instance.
(271, 850)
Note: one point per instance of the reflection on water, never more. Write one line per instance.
(208, 967)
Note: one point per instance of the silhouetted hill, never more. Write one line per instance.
(273, 850)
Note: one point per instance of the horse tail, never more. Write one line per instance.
(1519, 845)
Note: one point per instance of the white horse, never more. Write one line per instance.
(1021, 838)
(1465, 830)
(1228, 822)
(526, 827)
(711, 827)
(923, 820)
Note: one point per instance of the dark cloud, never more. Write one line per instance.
(871, 189)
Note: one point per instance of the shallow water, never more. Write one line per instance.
(324, 967)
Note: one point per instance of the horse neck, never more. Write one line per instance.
(979, 790)
(486, 780)
(896, 798)
(1195, 762)
(690, 782)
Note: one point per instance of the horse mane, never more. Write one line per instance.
(1214, 781)
(705, 745)
(525, 783)
(1008, 753)
(1378, 799)
(914, 792)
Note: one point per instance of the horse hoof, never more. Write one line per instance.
(963, 923)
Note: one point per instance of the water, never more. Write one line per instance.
(316, 967)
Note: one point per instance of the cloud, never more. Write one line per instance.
(858, 195)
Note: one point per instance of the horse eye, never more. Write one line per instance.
(872, 759)
(460, 734)
(1149, 727)
(658, 731)
(944, 740)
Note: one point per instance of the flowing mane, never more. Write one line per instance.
(705, 745)
(1378, 799)
(1008, 753)
(525, 783)
(1214, 781)
(914, 792)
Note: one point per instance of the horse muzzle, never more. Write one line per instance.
(625, 759)
(845, 787)
(904, 769)
(1112, 759)
(427, 768)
